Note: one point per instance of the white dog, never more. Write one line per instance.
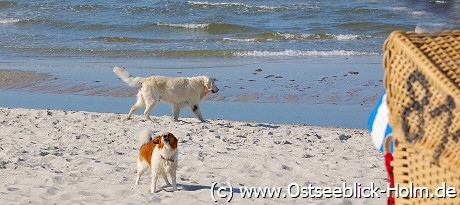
(179, 92)
(160, 154)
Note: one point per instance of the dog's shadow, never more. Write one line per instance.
(197, 187)
(185, 187)
(250, 125)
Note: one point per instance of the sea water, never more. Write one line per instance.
(215, 28)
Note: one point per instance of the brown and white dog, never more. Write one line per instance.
(179, 92)
(160, 155)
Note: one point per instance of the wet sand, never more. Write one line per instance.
(339, 81)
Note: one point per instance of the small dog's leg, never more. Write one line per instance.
(141, 168)
(166, 180)
(172, 174)
(138, 178)
(174, 181)
(153, 186)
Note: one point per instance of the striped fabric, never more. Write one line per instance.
(378, 123)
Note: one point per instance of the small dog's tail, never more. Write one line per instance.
(126, 77)
(145, 136)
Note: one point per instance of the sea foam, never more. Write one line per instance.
(297, 53)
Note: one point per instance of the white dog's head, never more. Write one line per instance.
(211, 85)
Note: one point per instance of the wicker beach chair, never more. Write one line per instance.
(422, 82)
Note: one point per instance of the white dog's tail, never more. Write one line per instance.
(125, 76)
(145, 136)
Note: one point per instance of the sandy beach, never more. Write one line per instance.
(64, 157)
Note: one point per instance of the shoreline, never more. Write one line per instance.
(284, 113)
(332, 80)
(321, 87)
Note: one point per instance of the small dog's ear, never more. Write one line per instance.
(174, 142)
(157, 140)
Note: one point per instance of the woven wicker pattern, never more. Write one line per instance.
(422, 79)
(412, 167)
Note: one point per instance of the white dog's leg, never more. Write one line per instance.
(132, 110)
(151, 99)
(197, 112)
(139, 103)
(148, 108)
(176, 110)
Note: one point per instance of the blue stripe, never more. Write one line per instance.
(370, 120)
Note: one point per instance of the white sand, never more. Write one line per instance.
(65, 157)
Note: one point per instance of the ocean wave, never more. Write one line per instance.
(269, 36)
(441, 2)
(401, 8)
(340, 37)
(123, 39)
(210, 4)
(260, 54)
(85, 7)
(184, 25)
(296, 53)
(9, 21)
(242, 39)
(206, 4)
(212, 53)
(419, 13)
(211, 28)
(347, 37)
(239, 40)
